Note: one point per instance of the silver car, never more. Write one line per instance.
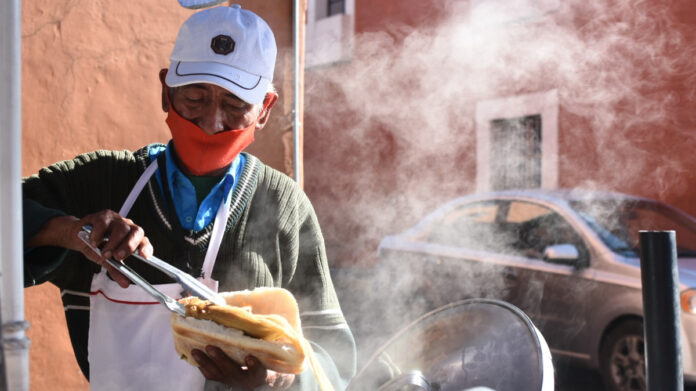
(568, 258)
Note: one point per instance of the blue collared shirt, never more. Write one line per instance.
(191, 216)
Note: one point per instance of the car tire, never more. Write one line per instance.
(622, 357)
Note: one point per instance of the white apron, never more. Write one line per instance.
(130, 345)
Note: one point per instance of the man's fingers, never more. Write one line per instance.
(119, 233)
(255, 369)
(124, 236)
(126, 241)
(120, 279)
(206, 365)
(100, 223)
(205, 373)
(145, 248)
(215, 365)
(86, 250)
(225, 365)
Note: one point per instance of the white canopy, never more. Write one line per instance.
(15, 345)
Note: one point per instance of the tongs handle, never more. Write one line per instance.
(189, 283)
(184, 279)
(168, 302)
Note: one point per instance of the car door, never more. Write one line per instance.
(552, 294)
(473, 249)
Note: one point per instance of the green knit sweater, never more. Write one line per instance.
(272, 238)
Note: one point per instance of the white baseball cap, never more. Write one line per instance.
(226, 46)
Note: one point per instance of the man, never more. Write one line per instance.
(207, 207)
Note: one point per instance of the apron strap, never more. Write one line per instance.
(216, 235)
(135, 191)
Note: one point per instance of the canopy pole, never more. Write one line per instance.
(296, 123)
(15, 345)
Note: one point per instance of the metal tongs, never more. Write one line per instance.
(190, 284)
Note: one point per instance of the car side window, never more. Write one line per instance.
(472, 226)
(538, 227)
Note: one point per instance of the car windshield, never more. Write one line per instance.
(618, 223)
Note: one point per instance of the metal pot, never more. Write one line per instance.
(478, 343)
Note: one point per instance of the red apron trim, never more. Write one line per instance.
(123, 301)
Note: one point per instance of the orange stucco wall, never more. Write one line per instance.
(90, 81)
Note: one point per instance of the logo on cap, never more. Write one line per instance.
(222, 44)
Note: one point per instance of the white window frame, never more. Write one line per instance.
(543, 103)
(329, 40)
(504, 11)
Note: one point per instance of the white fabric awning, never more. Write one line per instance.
(15, 345)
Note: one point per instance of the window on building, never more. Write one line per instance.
(336, 7)
(511, 141)
(493, 12)
(330, 32)
(326, 8)
(515, 152)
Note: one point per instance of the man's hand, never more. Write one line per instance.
(217, 366)
(124, 238)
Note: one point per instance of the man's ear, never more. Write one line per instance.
(165, 101)
(268, 102)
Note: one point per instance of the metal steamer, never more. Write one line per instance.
(480, 344)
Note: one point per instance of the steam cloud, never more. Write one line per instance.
(397, 120)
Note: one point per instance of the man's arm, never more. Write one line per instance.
(57, 203)
(124, 238)
(323, 323)
(39, 262)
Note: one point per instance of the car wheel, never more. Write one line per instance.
(622, 357)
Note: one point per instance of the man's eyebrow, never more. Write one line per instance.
(204, 87)
(233, 96)
(199, 86)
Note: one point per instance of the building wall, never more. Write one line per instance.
(90, 81)
(392, 133)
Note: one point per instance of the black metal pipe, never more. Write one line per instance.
(660, 279)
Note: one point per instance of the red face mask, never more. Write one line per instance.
(203, 153)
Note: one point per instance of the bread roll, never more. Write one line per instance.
(264, 322)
